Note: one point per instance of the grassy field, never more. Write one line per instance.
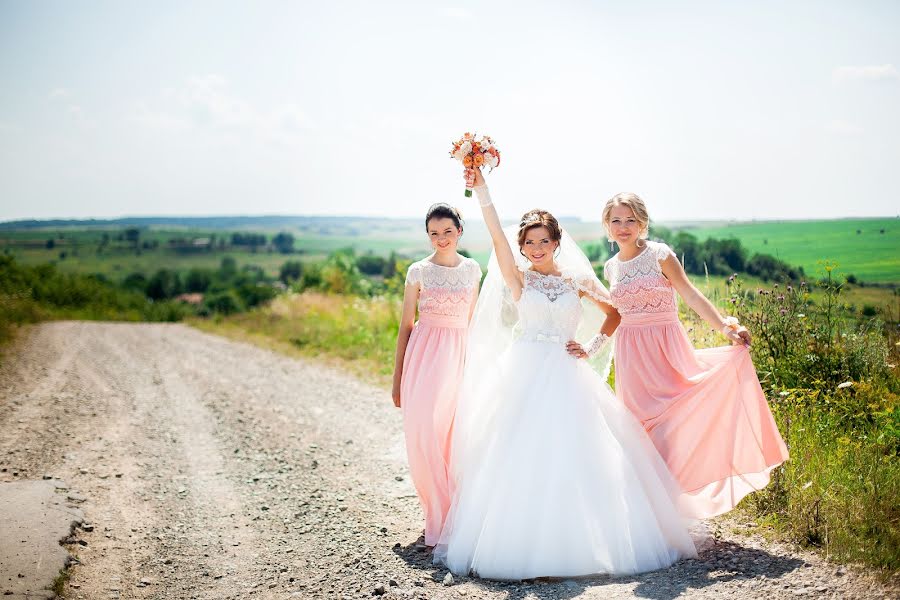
(870, 255)
(866, 248)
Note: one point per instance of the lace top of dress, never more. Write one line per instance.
(550, 306)
(444, 291)
(638, 285)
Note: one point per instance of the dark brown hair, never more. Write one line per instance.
(539, 218)
(443, 211)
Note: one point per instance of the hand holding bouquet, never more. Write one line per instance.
(474, 154)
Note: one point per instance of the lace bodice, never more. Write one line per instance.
(550, 306)
(638, 285)
(444, 291)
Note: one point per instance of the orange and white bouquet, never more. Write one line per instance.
(474, 153)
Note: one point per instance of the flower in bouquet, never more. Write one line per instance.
(475, 153)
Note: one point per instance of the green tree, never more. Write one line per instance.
(198, 280)
(164, 284)
(290, 271)
(284, 243)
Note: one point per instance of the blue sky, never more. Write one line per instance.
(709, 110)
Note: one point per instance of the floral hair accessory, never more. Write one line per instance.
(474, 153)
(530, 218)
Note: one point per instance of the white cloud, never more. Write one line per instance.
(839, 127)
(59, 92)
(865, 73)
(207, 103)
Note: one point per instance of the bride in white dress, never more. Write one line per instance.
(553, 476)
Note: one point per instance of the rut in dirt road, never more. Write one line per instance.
(212, 469)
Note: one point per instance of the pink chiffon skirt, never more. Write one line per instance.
(432, 371)
(704, 410)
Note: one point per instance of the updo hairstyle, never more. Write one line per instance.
(538, 218)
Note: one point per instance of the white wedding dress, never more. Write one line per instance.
(554, 476)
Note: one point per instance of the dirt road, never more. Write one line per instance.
(212, 469)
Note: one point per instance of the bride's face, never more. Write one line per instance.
(444, 234)
(538, 246)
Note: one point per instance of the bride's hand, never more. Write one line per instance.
(575, 349)
(473, 177)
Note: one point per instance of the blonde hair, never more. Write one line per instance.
(637, 206)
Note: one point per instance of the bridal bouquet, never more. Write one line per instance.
(475, 153)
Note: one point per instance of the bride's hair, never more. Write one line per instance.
(444, 211)
(538, 218)
(637, 206)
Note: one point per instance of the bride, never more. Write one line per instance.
(554, 477)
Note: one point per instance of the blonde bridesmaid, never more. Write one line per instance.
(430, 357)
(704, 409)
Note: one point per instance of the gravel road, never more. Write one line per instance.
(213, 469)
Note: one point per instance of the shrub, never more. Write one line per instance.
(225, 302)
(290, 271)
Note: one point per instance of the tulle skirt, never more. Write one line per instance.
(558, 478)
(704, 410)
(432, 371)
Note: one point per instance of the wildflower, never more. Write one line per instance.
(781, 298)
(807, 485)
(790, 288)
(801, 316)
(783, 312)
(759, 291)
(802, 284)
(846, 384)
(775, 286)
(784, 393)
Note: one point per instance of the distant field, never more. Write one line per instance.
(870, 255)
(867, 248)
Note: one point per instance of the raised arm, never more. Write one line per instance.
(699, 303)
(511, 274)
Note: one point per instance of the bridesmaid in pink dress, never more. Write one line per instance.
(430, 357)
(704, 409)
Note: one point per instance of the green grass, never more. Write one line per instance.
(870, 255)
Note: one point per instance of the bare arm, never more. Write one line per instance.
(407, 321)
(699, 303)
(511, 274)
(610, 323)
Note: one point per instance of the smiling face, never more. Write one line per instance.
(444, 234)
(623, 226)
(539, 246)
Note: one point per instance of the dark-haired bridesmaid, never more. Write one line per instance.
(430, 357)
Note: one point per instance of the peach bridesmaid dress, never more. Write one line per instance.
(432, 371)
(704, 410)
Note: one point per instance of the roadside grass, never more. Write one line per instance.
(59, 583)
(354, 332)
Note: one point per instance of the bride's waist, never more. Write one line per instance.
(545, 337)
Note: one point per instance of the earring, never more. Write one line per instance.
(612, 245)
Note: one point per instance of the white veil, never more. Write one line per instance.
(493, 328)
